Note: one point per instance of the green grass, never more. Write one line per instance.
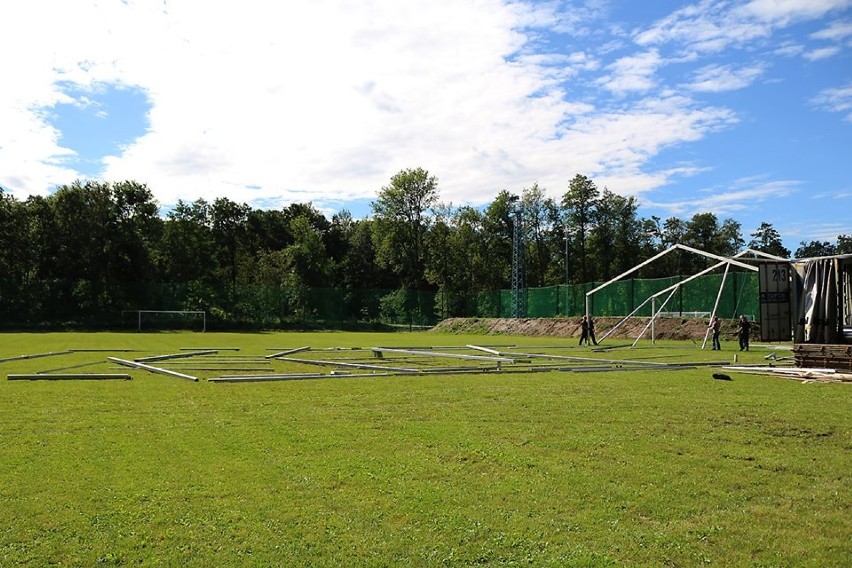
(665, 468)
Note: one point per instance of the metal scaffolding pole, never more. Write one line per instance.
(519, 304)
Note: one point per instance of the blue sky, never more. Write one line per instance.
(738, 107)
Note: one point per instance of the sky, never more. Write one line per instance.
(742, 108)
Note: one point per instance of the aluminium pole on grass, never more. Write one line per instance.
(152, 369)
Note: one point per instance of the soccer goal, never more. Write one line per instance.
(151, 316)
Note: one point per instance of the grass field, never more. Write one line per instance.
(626, 468)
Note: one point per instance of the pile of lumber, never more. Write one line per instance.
(812, 375)
(824, 356)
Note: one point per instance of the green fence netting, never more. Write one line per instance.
(90, 303)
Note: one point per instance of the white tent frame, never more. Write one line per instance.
(723, 261)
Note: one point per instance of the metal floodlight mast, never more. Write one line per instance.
(519, 308)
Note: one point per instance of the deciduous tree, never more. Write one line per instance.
(767, 239)
(580, 204)
(402, 218)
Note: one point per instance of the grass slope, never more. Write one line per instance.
(665, 468)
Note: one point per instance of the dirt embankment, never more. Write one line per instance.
(664, 328)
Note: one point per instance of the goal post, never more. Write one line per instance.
(139, 314)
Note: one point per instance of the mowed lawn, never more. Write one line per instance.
(623, 468)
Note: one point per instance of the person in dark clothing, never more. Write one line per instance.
(743, 329)
(584, 331)
(715, 326)
(592, 332)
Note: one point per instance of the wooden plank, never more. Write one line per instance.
(68, 376)
(151, 369)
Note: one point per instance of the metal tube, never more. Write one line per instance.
(68, 376)
(152, 369)
(716, 304)
(175, 355)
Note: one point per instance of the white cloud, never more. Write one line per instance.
(725, 201)
(707, 26)
(326, 100)
(328, 95)
(711, 26)
(822, 53)
(783, 12)
(807, 232)
(614, 148)
(835, 100)
(633, 73)
(836, 31)
(717, 78)
(789, 49)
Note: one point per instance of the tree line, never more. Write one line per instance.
(90, 246)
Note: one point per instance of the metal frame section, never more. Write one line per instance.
(654, 316)
(151, 369)
(723, 261)
(36, 355)
(174, 356)
(287, 352)
(672, 248)
(803, 260)
(483, 349)
(587, 359)
(379, 350)
(68, 376)
(349, 365)
(140, 312)
(265, 378)
(205, 348)
(716, 304)
(528, 363)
